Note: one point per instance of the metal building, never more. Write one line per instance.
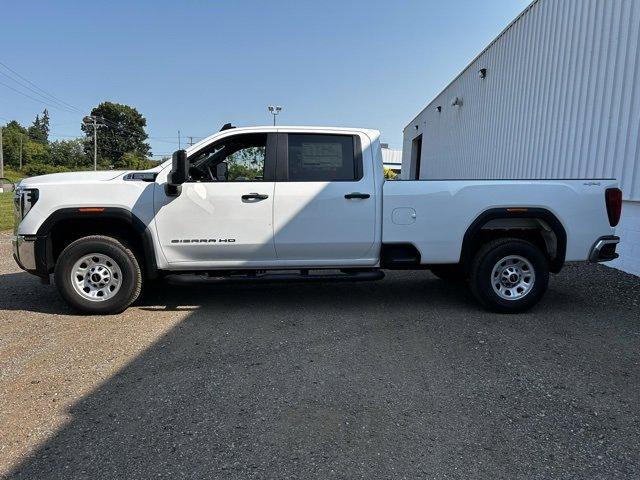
(555, 95)
(392, 159)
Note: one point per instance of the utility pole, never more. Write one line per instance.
(1, 155)
(275, 110)
(93, 120)
(190, 140)
(179, 140)
(20, 152)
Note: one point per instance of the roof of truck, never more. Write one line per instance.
(301, 127)
(291, 128)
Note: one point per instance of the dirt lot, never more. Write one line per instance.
(403, 378)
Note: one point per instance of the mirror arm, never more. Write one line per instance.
(172, 190)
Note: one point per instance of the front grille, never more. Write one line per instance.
(17, 210)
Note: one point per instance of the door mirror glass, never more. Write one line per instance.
(222, 171)
(179, 168)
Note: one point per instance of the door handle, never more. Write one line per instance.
(352, 195)
(255, 196)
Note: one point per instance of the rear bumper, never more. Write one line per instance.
(31, 254)
(604, 250)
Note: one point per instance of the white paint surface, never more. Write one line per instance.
(629, 247)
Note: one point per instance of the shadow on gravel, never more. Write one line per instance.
(403, 378)
(22, 291)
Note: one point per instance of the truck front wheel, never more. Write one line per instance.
(98, 275)
(509, 275)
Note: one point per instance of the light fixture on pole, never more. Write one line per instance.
(93, 120)
(275, 110)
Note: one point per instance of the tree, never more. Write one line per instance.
(39, 130)
(68, 153)
(35, 152)
(11, 134)
(247, 163)
(132, 161)
(123, 132)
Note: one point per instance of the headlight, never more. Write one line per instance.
(24, 199)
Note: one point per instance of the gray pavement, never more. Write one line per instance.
(403, 378)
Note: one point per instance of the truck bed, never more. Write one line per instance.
(434, 215)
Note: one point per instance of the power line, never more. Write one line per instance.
(124, 129)
(52, 134)
(40, 89)
(60, 105)
(34, 99)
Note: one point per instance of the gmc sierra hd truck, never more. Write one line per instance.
(303, 203)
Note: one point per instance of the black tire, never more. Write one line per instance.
(449, 273)
(130, 282)
(488, 257)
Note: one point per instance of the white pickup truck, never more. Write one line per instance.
(303, 203)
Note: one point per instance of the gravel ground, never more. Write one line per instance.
(403, 378)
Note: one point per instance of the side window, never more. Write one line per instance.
(246, 164)
(238, 158)
(322, 158)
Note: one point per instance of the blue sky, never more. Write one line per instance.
(193, 66)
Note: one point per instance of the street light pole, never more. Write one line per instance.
(275, 110)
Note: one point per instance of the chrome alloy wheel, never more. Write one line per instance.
(96, 277)
(513, 277)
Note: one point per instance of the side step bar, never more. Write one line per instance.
(304, 276)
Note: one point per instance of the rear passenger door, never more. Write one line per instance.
(324, 201)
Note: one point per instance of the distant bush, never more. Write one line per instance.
(12, 175)
(132, 161)
(33, 169)
(390, 174)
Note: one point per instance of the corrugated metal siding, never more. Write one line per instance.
(561, 100)
(391, 157)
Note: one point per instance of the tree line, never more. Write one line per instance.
(122, 143)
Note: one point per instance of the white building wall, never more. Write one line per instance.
(561, 99)
(629, 232)
(392, 158)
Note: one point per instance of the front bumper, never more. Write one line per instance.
(24, 252)
(604, 250)
(32, 253)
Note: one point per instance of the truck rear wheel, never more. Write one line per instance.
(509, 275)
(98, 275)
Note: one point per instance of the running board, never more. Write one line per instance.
(191, 279)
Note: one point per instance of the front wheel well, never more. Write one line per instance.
(66, 226)
(69, 230)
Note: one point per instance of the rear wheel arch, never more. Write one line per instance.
(66, 225)
(549, 234)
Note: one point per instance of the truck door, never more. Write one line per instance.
(224, 214)
(325, 206)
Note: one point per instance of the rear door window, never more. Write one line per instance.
(322, 158)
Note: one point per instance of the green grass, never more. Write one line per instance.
(6, 211)
(6, 201)
(12, 175)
